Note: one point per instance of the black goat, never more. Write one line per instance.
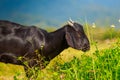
(22, 41)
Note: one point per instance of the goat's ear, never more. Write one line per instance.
(72, 38)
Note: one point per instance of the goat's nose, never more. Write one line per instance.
(88, 47)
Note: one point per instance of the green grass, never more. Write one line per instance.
(101, 65)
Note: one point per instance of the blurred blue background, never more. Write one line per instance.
(56, 12)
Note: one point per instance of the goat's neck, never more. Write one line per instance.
(56, 44)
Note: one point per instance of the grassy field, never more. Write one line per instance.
(102, 62)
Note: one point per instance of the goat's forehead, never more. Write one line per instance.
(78, 26)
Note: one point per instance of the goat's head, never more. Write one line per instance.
(76, 36)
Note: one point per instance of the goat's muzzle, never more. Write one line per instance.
(86, 48)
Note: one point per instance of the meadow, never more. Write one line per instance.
(101, 62)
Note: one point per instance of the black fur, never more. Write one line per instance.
(22, 41)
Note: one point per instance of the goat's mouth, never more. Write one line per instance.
(84, 49)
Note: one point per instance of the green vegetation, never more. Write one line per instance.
(100, 65)
(102, 62)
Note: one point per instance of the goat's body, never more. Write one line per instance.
(22, 41)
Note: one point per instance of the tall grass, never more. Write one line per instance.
(111, 33)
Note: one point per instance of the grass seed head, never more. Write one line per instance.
(93, 25)
(112, 26)
(119, 20)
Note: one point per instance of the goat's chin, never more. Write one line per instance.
(84, 49)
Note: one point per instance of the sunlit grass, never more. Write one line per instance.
(9, 71)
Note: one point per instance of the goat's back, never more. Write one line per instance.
(20, 40)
